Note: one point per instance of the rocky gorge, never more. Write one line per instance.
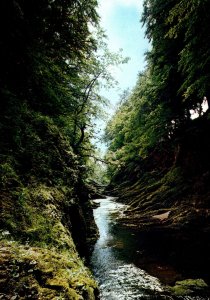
(168, 204)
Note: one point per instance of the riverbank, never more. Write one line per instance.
(126, 262)
(42, 249)
(46, 220)
(28, 272)
(167, 196)
(172, 228)
(174, 242)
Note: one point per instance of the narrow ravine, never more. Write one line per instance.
(113, 262)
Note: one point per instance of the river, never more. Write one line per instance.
(114, 260)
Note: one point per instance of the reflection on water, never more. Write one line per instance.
(113, 260)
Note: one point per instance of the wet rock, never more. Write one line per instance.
(41, 273)
(190, 287)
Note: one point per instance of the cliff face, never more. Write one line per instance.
(172, 176)
(46, 224)
(168, 197)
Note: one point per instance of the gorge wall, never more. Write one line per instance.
(168, 197)
(47, 225)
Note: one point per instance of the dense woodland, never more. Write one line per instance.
(53, 63)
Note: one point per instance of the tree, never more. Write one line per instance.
(95, 73)
(192, 19)
(44, 47)
(164, 57)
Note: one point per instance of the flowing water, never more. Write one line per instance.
(113, 260)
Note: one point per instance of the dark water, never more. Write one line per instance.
(114, 260)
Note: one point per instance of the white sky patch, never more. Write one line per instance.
(204, 107)
(106, 6)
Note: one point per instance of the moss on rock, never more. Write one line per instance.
(189, 287)
(43, 273)
(40, 259)
(41, 190)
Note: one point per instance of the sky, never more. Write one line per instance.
(121, 21)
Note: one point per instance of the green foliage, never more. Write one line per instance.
(98, 170)
(8, 175)
(138, 126)
(53, 66)
(151, 118)
(190, 19)
(189, 287)
(47, 273)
